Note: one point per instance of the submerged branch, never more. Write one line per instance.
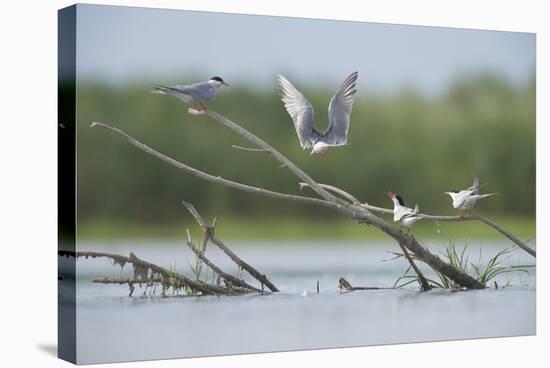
(142, 268)
(345, 286)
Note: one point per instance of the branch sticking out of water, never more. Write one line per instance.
(209, 235)
(230, 279)
(149, 273)
(353, 210)
(345, 286)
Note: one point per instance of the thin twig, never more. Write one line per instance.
(249, 149)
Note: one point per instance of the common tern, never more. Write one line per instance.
(466, 199)
(301, 112)
(197, 94)
(402, 214)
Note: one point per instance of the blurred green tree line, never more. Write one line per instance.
(406, 142)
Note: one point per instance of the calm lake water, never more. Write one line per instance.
(111, 326)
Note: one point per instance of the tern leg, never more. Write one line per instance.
(325, 156)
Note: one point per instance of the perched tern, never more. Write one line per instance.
(197, 94)
(301, 112)
(466, 199)
(402, 214)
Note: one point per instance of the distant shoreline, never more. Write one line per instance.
(299, 228)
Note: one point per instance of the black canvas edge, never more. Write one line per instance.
(66, 175)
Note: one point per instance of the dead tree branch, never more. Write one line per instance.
(354, 211)
(209, 233)
(424, 284)
(142, 275)
(227, 277)
(345, 286)
(338, 191)
(276, 155)
(216, 179)
(435, 218)
(249, 149)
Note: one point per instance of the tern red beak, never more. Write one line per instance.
(390, 194)
(225, 84)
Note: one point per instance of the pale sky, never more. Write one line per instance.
(121, 44)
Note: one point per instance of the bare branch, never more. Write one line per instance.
(345, 286)
(249, 149)
(141, 265)
(357, 212)
(518, 242)
(459, 218)
(209, 233)
(229, 278)
(424, 284)
(277, 155)
(216, 179)
(333, 189)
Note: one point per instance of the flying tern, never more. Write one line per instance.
(301, 112)
(466, 199)
(402, 214)
(197, 94)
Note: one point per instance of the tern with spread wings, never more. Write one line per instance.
(301, 112)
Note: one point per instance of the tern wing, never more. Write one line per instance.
(402, 212)
(172, 90)
(301, 112)
(480, 196)
(475, 186)
(202, 91)
(460, 198)
(339, 111)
